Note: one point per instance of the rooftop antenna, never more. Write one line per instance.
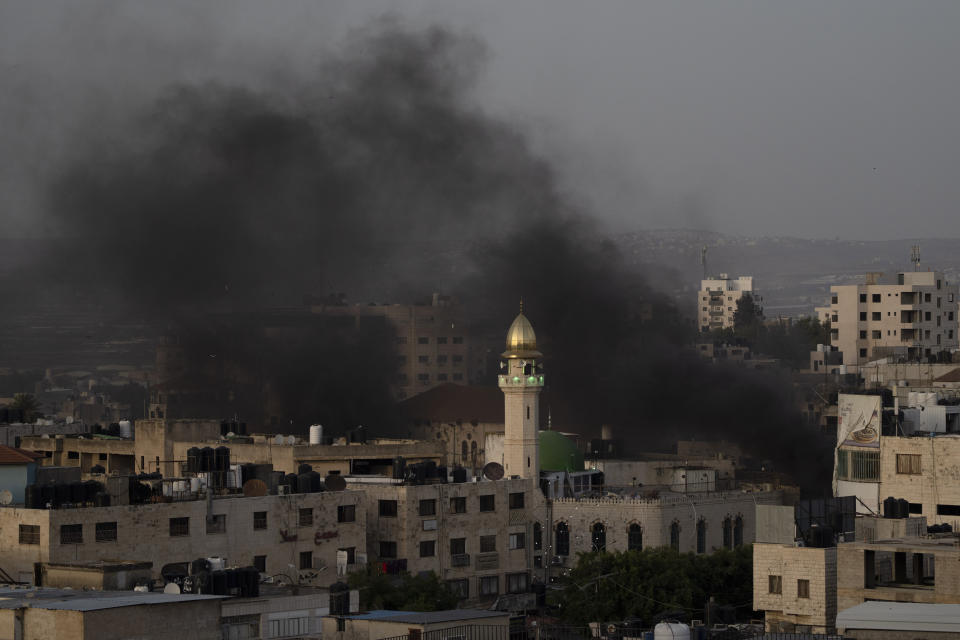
(703, 260)
(915, 257)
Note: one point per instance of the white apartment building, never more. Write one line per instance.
(718, 300)
(914, 318)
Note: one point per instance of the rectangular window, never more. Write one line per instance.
(423, 359)
(442, 340)
(29, 534)
(517, 540)
(388, 549)
(863, 316)
(306, 517)
(179, 527)
(388, 508)
(428, 507)
(876, 297)
(458, 340)
(858, 465)
(516, 582)
(774, 584)
(863, 297)
(259, 520)
(948, 510)
(442, 377)
(488, 544)
(347, 513)
(458, 376)
(260, 562)
(489, 585)
(516, 500)
(216, 524)
(842, 466)
(461, 588)
(908, 463)
(423, 340)
(863, 334)
(876, 334)
(105, 532)
(457, 359)
(458, 546)
(803, 588)
(458, 505)
(428, 548)
(306, 560)
(423, 377)
(441, 359)
(916, 507)
(401, 340)
(876, 316)
(71, 534)
(488, 502)
(863, 353)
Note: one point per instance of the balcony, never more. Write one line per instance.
(460, 560)
(909, 317)
(909, 298)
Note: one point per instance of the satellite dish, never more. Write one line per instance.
(254, 488)
(335, 483)
(278, 439)
(291, 440)
(6, 497)
(493, 471)
(172, 588)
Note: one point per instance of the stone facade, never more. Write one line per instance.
(657, 517)
(788, 604)
(937, 480)
(478, 542)
(906, 570)
(150, 533)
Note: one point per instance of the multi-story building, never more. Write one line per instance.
(913, 318)
(717, 300)
(433, 341)
(309, 531)
(795, 587)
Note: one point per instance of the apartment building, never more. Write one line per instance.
(311, 532)
(484, 538)
(795, 587)
(717, 300)
(914, 317)
(433, 341)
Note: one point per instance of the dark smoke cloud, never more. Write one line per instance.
(380, 177)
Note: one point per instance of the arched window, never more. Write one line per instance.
(473, 450)
(563, 539)
(635, 538)
(598, 537)
(701, 536)
(738, 532)
(675, 536)
(727, 533)
(537, 536)
(464, 450)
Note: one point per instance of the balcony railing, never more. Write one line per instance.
(460, 560)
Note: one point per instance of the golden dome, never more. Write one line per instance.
(521, 340)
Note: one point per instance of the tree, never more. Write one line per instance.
(28, 404)
(642, 584)
(748, 316)
(402, 592)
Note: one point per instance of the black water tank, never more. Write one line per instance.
(442, 474)
(291, 480)
(47, 496)
(199, 565)
(316, 482)
(903, 508)
(222, 455)
(205, 460)
(98, 468)
(77, 492)
(303, 483)
(248, 471)
(233, 580)
(339, 599)
(61, 494)
(304, 468)
(102, 500)
(31, 497)
(399, 468)
(459, 474)
(218, 583)
(193, 459)
(890, 508)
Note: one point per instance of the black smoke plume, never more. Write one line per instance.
(381, 177)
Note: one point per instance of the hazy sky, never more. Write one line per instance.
(814, 119)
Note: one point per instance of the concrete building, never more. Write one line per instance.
(795, 587)
(279, 613)
(913, 318)
(18, 468)
(899, 621)
(434, 344)
(469, 624)
(717, 300)
(308, 531)
(41, 614)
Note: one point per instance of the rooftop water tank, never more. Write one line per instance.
(671, 631)
(316, 434)
(126, 429)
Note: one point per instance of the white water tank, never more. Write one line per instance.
(217, 563)
(195, 484)
(126, 430)
(671, 631)
(316, 434)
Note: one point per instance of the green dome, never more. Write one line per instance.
(558, 453)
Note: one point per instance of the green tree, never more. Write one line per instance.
(747, 317)
(27, 403)
(401, 592)
(642, 584)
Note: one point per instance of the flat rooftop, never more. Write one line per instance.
(70, 600)
(426, 617)
(901, 616)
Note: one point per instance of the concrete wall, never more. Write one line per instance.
(938, 480)
(655, 516)
(628, 473)
(786, 609)
(143, 533)
(191, 620)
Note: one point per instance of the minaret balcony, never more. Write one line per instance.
(520, 381)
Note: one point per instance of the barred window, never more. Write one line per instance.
(179, 527)
(106, 532)
(803, 588)
(306, 517)
(347, 513)
(216, 523)
(908, 463)
(71, 534)
(259, 520)
(858, 465)
(29, 534)
(488, 502)
(775, 584)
